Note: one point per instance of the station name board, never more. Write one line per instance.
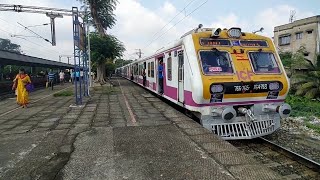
(214, 42)
(253, 43)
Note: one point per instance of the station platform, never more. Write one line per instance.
(121, 132)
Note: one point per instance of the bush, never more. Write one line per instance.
(302, 106)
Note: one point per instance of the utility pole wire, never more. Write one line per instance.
(34, 33)
(183, 10)
(177, 23)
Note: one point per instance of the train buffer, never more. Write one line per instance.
(121, 132)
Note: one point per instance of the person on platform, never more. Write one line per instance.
(19, 84)
(61, 76)
(51, 76)
(160, 77)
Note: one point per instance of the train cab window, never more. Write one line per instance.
(215, 62)
(264, 62)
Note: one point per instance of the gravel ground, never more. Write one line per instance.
(295, 136)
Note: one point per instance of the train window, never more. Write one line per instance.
(215, 62)
(264, 62)
(149, 69)
(152, 69)
(169, 68)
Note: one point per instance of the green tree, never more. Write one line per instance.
(101, 14)
(103, 50)
(102, 18)
(286, 59)
(7, 45)
(308, 84)
(122, 62)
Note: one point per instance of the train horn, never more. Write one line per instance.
(284, 110)
(226, 114)
(216, 32)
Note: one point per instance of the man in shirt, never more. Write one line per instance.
(160, 77)
(51, 78)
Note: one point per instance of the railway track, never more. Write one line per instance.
(287, 163)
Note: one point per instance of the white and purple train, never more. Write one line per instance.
(233, 81)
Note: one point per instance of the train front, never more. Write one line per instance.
(244, 83)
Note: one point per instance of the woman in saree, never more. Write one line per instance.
(19, 83)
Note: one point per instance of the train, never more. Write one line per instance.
(233, 81)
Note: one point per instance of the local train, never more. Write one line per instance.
(233, 81)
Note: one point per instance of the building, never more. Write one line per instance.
(304, 32)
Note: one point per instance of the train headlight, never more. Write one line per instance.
(274, 86)
(216, 88)
(234, 32)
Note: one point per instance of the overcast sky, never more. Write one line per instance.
(151, 24)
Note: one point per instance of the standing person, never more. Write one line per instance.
(51, 76)
(19, 84)
(77, 75)
(61, 75)
(72, 77)
(160, 77)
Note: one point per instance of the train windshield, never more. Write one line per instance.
(215, 62)
(264, 62)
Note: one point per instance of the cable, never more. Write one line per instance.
(177, 23)
(173, 18)
(14, 25)
(29, 42)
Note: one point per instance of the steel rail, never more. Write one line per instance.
(293, 155)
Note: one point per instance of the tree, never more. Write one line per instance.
(122, 62)
(102, 17)
(104, 49)
(101, 14)
(308, 84)
(7, 45)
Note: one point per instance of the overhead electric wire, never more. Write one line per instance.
(51, 53)
(173, 18)
(177, 23)
(45, 47)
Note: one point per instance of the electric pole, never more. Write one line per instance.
(139, 53)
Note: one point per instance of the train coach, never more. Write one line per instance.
(233, 81)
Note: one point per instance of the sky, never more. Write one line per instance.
(151, 24)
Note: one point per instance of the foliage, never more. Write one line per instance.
(63, 93)
(7, 45)
(122, 62)
(101, 13)
(286, 58)
(105, 47)
(316, 128)
(110, 67)
(302, 106)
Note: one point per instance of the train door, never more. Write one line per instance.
(180, 77)
(160, 79)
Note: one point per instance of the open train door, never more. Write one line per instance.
(180, 77)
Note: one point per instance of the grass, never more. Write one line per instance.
(304, 107)
(107, 90)
(316, 128)
(63, 93)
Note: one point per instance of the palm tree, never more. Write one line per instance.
(102, 18)
(101, 14)
(308, 84)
